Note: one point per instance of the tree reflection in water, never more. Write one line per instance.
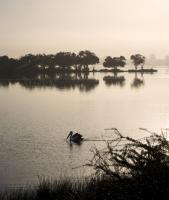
(137, 82)
(59, 81)
(114, 80)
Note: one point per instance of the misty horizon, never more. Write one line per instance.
(111, 28)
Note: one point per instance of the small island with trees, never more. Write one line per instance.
(68, 62)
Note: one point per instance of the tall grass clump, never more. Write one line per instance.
(65, 188)
(18, 194)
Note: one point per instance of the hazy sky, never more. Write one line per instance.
(107, 27)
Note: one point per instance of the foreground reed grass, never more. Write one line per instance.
(126, 169)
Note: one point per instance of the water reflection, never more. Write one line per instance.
(138, 82)
(114, 80)
(59, 81)
(84, 82)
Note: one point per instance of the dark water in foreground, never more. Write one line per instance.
(36, 116)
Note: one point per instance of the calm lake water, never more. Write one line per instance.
(36, 116)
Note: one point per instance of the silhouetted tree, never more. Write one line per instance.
(42, 62)
(51, 61)
(4, 60)
(28, 59)
(8, 65)
(30, 63)
(65, 59)
(138, 59)
(86, 58)
(114, 62)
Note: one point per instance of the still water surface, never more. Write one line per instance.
(35, 120)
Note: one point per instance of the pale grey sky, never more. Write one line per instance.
(107, 27)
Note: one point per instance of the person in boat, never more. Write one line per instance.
(74, 137)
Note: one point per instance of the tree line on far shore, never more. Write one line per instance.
(64, 61)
